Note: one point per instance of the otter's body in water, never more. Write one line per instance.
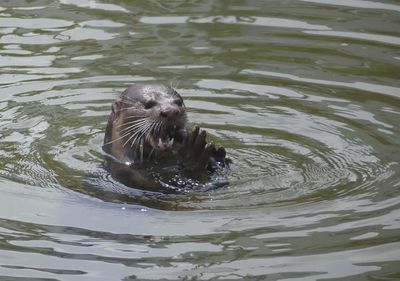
(146, 141)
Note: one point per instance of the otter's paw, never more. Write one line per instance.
(218, 159)
(197, 154)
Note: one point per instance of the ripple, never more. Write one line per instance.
(302, 94)
(262, 21)
(369, 87)
(185, 66)
(32, 23)
(357, 35)
(94, 5)
(256, 21)
(90, 57)
(289, 156)
(29, 38)
(101, 23)
(262, 90)
(81, 33)
(12, 78)
(38, 61)
(359, 4)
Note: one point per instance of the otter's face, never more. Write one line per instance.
(149, 117)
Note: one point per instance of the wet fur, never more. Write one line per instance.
(142, 114)
(139, 117)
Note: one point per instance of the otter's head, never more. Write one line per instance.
(145, 118)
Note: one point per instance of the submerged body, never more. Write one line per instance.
(148, 146)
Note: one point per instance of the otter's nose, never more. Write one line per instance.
(169, 112)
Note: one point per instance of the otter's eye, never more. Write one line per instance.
(178, 102)
(150, 104)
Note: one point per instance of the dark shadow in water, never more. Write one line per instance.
(156, 186)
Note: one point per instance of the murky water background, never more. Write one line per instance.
(305, 96)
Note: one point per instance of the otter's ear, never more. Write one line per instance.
(116, 107)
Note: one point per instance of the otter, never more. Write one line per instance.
(147, 145)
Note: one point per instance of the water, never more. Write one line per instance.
(304, 95)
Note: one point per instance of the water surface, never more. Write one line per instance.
(304, 95)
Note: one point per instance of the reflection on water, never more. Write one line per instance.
(303, 94)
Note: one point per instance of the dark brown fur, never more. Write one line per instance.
(146, 125)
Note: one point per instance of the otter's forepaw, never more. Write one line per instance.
(218, 159)
(198, 155)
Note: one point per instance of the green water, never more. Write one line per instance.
(304, 95)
